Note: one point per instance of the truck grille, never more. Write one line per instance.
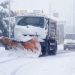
(30, 35)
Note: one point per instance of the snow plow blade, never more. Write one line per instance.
(32, 45)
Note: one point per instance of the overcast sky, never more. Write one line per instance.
(58, 5)
(63, 7)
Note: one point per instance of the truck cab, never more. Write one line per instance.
(32, 26)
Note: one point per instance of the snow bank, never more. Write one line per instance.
(22, 53)
(18, 53)
(60, 47)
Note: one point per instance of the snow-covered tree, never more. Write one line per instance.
(4, 9)
(4, 15)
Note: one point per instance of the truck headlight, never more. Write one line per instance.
(65, 42)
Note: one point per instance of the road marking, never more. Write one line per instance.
(8, 60)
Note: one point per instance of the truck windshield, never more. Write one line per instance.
(70, 36)
(34, 21)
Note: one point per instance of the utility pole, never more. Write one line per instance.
(49, 19)
(9, 18)
(73, 16)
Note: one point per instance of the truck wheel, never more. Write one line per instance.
(43, 51)
(7, 47)
(64, 48)
(54, 51)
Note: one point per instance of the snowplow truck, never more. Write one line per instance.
(33, 28)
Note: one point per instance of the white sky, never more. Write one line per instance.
(64, 7)
(57, 5)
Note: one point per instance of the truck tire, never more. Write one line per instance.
(43, 51)
(54, 51)
(64, 48)
(7, 47)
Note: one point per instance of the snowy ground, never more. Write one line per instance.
(61, 64)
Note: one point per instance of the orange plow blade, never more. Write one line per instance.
(32, 45)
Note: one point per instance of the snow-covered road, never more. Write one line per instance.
(61, 64)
